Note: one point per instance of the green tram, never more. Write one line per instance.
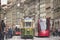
(27, 31)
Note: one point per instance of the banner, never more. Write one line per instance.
(43, 24)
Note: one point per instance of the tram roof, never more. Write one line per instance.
(28, 19)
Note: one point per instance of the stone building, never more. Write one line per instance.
(56, 12)
(36, 8)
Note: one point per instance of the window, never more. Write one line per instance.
(48, 8)
(28, 24)
(3, 2)
(42, 10)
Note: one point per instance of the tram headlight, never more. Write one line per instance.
(27, 29)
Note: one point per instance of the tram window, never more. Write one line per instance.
(43, 25)
(28, 24)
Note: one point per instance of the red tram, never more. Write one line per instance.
(44, 27)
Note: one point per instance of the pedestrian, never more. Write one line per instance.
(54, 31)
(58, 31)
(0, 31)
(6, 32)
(2, 27)
(10, 32)
(16, 28)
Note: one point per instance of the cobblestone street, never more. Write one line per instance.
(36, 38)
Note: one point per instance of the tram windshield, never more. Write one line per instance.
(43, 24)
(28, 24)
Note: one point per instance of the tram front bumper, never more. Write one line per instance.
(44, 33)
(27, 36)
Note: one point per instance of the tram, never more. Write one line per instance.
(44, 27)
(27, 31)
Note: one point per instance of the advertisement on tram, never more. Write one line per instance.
(44, 27)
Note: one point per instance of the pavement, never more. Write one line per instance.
(35, 38)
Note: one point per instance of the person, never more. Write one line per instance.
(2, 27)
(54, 32)
(16, 29)
(58, 31)
(0, 31)
(6, 31)
(10, 32)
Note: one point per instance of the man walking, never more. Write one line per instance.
(2, 27)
